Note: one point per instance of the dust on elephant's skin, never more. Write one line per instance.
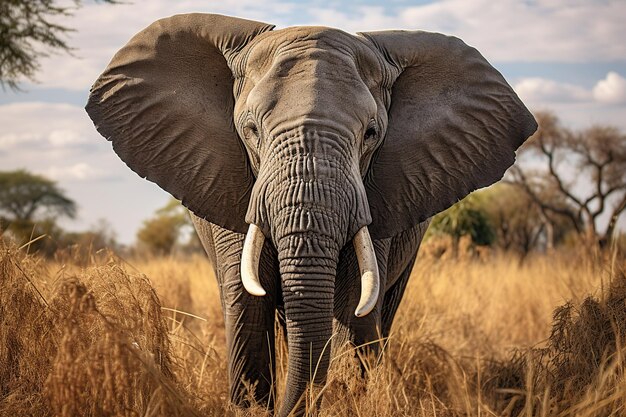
(319, 141)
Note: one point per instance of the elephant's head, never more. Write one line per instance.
(308, 136)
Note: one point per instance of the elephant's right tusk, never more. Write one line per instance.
(252, 247)
(370, 280)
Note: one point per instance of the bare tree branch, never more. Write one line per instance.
(597, 154)
(523, 183)
(617, 211)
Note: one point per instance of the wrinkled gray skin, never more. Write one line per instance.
(310, 133)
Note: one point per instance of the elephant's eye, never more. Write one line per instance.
(371, 133)
(251, 132)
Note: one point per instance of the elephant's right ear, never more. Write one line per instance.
(166, 103)
(454, 126)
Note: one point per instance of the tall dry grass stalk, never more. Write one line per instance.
(94, 343)
(491, 337)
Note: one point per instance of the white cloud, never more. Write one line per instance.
(42, 126)
(57, 140)
(506, 30)
(101, 30)
(549, 91)
(611, 90)
(12, 139)
(76, 172)
(539, 91)
(360, 19)
(65, 137)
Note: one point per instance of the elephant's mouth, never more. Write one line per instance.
(368, 267)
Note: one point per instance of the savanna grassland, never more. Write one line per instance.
(473, 337)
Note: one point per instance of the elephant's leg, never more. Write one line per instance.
(393, 296)
(249, 320)
(402, 255)
(362, 333)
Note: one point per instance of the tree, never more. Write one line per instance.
(584, 170)
(518, 223)
(26, 28)
(25, 197)
(29, 207)
(161, 233)
(465, 218)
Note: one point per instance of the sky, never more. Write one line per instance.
(566, 56)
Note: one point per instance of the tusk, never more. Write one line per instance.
(370, 280)
(252, 247)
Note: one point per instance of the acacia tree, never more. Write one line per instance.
(583, 173)
(30, 204)
(28, 197)
(28, 32)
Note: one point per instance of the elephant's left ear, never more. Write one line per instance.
(454, 126)
(165, 101)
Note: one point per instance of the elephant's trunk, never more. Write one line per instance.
(308, 269)
(308, 235)
(309, 199)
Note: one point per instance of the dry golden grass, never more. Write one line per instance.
(472, 338)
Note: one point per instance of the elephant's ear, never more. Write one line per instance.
(166, 103)
(454, 126)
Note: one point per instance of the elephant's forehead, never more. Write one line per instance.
(308, 48)
(319, 36)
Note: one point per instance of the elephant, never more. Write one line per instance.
(311, 160)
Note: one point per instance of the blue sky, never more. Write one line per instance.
(567, 56)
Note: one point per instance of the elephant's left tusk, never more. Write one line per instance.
(370, 280)
(250, 256)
